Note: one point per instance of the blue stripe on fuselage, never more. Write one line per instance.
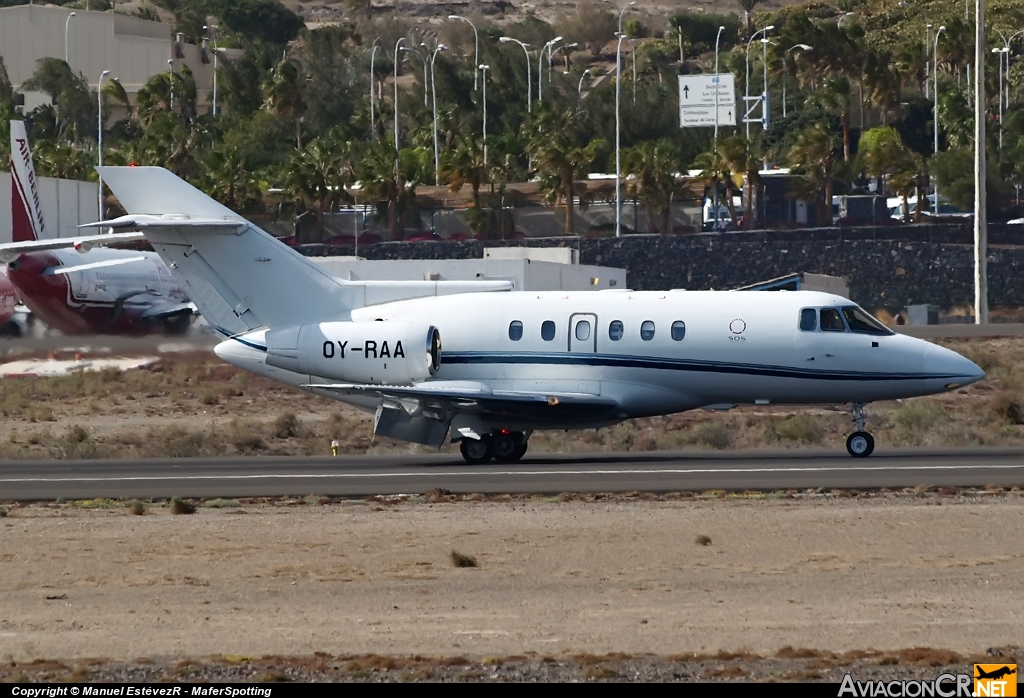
(669, 364)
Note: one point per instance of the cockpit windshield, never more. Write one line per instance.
(862, 323)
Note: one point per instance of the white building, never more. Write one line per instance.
(132, 49)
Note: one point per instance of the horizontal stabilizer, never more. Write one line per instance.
(92, 265)
(142, 221)
(10, 251)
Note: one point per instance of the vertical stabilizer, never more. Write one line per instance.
(26, 211)
(238, 276)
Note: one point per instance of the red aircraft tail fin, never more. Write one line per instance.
(26, 212)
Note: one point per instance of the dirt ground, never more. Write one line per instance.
(554, 576)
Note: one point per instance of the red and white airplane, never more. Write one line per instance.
(76, 285)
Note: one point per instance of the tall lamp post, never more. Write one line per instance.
(540, 67)
(398, 60)
(935, 113)
(425, 65)
(715, 144)
(373, 119)
(213, 33)
(746, 96)
(170, 80)
(476, 38)
(805, 47)
(99, 135)
(579, 88)
(433, 92)
(529, 85)
(67, 25)
(483, 98)
(999, 54)
(618, 138)
(551, 55)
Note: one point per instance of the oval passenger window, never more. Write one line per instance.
(615, 330)
(647, 330)
(547, 330)
(678, 330)
(515, 331)
(582, 330)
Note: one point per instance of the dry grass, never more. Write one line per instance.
(180, 506)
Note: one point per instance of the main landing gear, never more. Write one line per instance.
(860, 443)
(502, 446)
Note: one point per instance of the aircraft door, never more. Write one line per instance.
(583, 332)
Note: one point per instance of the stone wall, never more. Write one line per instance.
(886, 266)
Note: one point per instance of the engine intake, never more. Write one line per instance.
(392, 353)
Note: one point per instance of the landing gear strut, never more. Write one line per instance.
(860, 443)
(502, 446)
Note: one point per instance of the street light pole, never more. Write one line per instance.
(980, 199)
(715, 143)
(425, 62)
(170, 80)
(433, 92)
(935, 114)
(213, 29)
(540, 67)
(805, 47)
(67, 53)
(373, 119)
(398, 59)
(618, 145)
(529, 85)
(746, 87)
(999, 54)
(476, 37)
(99, 136)
(551, 55)
(579, 88)
(483, 97)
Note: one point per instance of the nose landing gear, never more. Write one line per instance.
(860, 443)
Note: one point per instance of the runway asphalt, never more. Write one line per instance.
(541, 473)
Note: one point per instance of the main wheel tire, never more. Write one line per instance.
(508, 448)
(860, 444)
(476, 451)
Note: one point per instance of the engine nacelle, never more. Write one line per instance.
(392, 353)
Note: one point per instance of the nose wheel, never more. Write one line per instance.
(860, 443)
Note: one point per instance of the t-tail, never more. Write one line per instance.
(26, 212)
(241, 278)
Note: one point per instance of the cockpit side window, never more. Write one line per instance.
(862, 323)
(808, 319)
(831, 320)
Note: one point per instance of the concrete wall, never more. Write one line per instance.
(881, 272)
(66, 204)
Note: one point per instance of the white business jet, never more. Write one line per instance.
(487, 367)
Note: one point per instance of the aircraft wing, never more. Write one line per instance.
(470, 397)
(9, 251)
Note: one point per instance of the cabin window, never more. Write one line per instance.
(647, 330)
(547, 330)
(862, 323)
(515, 331)
(615, 330)
(678, 330)
(831, 320)
(582, 330)
(808, 319)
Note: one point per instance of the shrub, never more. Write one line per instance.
(460, 560)
(209, 397)
(136, 508)
(180, 506)
(803, 428)
(918, 416)
(716, 434)
(702, 540)
(286, 426)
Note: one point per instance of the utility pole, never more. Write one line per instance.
(980, 212)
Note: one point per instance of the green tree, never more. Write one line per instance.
(284, 95)
(561, 156)
(228, 178)
(814, 156)
(75, 107)
(883, 153)
(464, 164)
(319, 173)
(652, 166)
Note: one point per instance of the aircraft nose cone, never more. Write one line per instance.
(945, 363)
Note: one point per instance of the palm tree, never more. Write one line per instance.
(318, 173)
(748, 7)
(653, 166)
(229, 179)
(720, 168)
(383, 179)
(560, 158)
(464, 164)
(814, 156)
(283, 91)
(883, 153)
(837, 95)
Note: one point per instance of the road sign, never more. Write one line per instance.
(705, 116)
(696, 90)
